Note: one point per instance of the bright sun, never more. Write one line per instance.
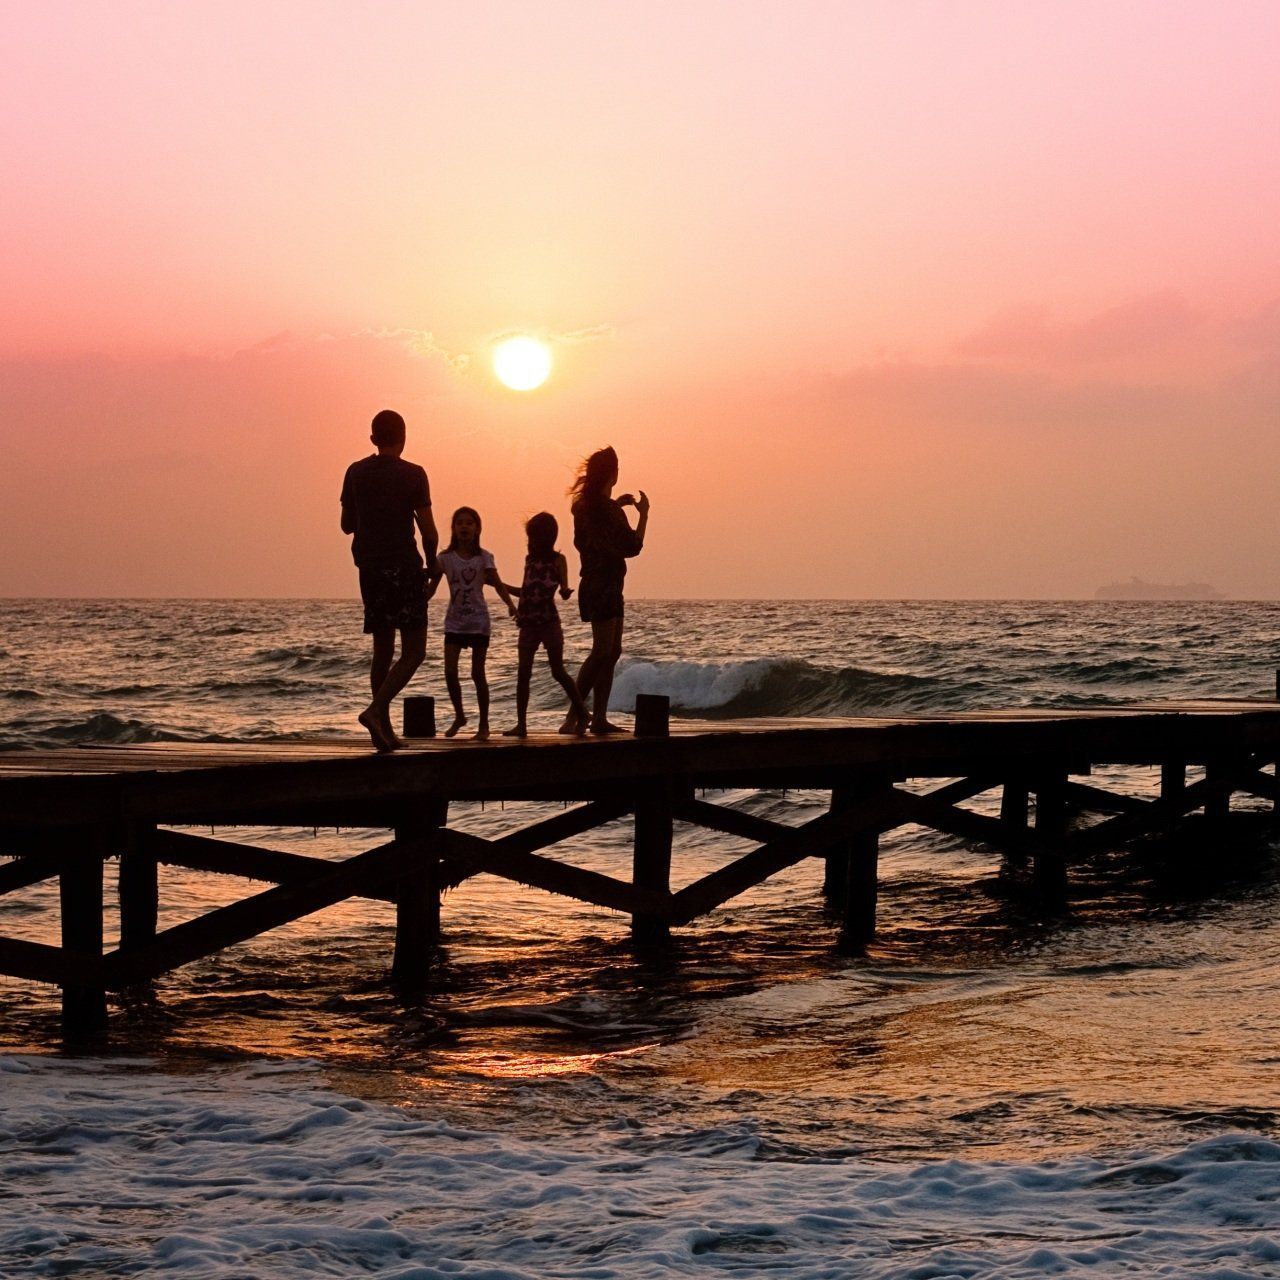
(522, 363)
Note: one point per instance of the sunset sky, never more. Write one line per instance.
(874, 299)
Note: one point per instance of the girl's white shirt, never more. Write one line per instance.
(468, 613)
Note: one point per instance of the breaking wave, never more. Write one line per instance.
(782, 687)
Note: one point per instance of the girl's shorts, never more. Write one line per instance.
(533, 634)
(467, 640)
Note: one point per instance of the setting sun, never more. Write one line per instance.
(522, 363)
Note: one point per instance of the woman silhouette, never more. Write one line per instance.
(605, 541)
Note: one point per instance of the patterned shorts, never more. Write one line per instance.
(547, 633)
(395, 598)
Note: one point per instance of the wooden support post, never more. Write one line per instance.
(417, 896)
(1049, 867)
(858, 926)
(1217, 804)
(835, 875)
(651, 863)
(84, 1007)
(138, 887)
(1013, 814)
(1173, 780)
(851, 879)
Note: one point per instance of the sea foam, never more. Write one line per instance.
(107, 1169)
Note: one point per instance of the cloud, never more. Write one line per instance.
(1140, 326)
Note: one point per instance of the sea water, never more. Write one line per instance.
(993, 1089)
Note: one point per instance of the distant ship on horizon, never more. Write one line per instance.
(1138, 589)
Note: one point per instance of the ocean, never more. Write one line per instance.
(994, 1089)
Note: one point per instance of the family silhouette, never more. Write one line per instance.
(384, 497)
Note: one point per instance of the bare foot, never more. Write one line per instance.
(372, 722)
(516, 731)
(482, 732)
(573, 723)
(388, 732)
(602, 728)
(452, 730)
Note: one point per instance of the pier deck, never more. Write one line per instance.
(64, 813)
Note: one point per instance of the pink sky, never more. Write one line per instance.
(874, 299)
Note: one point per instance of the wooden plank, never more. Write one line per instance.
(38, 962)
(555, 877)
(228, 925)
(928, 812)
(733, 822)
(251, 862)
(563, 826)
(1083, 795)
(879, 812)
(25, 871)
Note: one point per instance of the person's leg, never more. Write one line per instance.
(523, 673)
(384, 650)
(589, 671)
(611, 651)
(376, 717)
(478, 656)
(577, 708)
(452, 653)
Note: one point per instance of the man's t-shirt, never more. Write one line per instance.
(382, 493)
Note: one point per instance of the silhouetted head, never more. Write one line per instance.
(387, 431)
(542, 532)
(464, 530)
(597, 475)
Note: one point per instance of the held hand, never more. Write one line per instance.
(565, 592)
(642, 503)
(511, 609)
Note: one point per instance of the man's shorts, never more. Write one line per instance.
(548, 634)
(477, 640)
(395, 597)
(600, 601)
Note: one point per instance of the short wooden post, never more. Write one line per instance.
(418, 898)
(420, 717)
(84, 1008)
(1278, 684)
(139, 888)
(1049, 868)
(651, 862)
(653, 715)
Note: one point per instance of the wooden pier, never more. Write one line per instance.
(66, 813)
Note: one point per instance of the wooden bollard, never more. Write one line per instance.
(653, 715)
(420, 717)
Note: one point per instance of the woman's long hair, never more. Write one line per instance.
(594, 476)
(453, 521)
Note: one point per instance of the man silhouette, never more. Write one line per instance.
(382, 497)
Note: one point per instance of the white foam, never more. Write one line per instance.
(259, 1171)
(689, 685)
